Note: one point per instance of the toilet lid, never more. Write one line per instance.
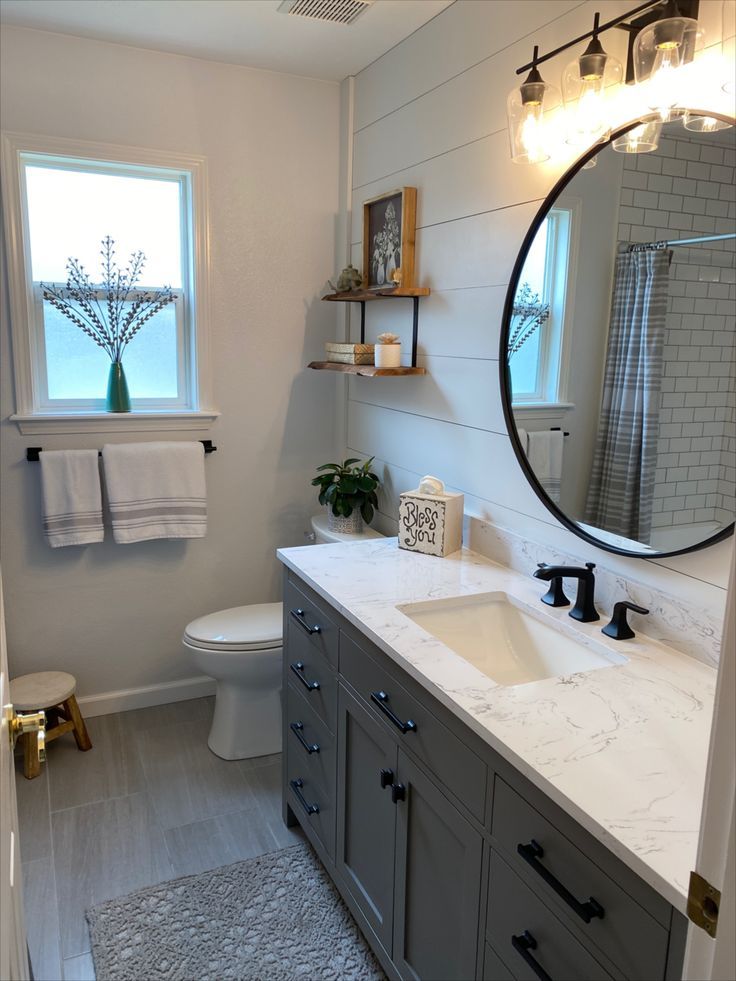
(243, 628)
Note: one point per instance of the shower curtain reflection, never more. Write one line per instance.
(622, 479)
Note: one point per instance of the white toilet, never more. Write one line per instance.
(241, 649)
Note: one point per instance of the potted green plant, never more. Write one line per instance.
(348, 490)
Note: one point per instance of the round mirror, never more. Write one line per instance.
(618, 370)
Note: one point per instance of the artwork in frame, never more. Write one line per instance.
(389, 223)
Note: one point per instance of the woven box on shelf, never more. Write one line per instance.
(349, 353)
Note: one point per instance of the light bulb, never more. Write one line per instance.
(663, 90)
(531, 134)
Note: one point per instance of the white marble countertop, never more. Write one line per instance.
(621, 749)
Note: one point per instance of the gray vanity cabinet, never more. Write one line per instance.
(366, 814)
(454, 866)
(438, 876)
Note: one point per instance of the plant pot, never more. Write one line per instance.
(387, 355)
(345, 526)
(118, 397)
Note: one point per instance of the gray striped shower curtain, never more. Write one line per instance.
(621, 485)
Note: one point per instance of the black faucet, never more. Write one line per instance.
(584, 609)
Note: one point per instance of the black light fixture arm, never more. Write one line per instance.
(598, 29)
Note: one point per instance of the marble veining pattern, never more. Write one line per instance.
(622, 749)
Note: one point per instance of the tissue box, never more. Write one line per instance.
(430, 523)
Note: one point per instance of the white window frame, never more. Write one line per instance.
(34, 412)
(554, 347)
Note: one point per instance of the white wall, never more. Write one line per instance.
(431, 113)
(113, 615)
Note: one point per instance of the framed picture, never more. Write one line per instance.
(389, 224)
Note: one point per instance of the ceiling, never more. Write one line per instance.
(240, 32)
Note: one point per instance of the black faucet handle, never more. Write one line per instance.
(555, 595)
(619, 627)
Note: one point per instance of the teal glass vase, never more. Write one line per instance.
(118, 397)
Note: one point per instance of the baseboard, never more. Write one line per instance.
(132, 698)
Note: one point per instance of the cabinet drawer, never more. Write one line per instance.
(494, 968)
(304, 726)
(564, 875)
(313, 804)
(517, 917)
(313, 677)
(454, 765)
(309, 618)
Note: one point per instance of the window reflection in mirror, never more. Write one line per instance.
(632, 278)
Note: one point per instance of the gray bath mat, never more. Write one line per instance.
(271, 918)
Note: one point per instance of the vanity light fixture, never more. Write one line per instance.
(525, 109)
(586, 84)
(661, 50)
(639, 139)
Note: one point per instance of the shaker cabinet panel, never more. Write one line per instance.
(438, 875)
(366, 823)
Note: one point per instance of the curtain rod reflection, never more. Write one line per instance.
(664, 244)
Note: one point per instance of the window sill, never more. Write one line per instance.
(115, 422)
(543, 408)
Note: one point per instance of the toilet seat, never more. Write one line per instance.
(239, 628)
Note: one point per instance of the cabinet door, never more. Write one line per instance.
(438, 873)
(366, 815)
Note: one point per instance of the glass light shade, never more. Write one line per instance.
(728, 44)
(527, 123)
(641, 139)
(699, 123)
(661, 50)
(586, 88)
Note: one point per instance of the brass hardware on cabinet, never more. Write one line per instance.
(19, 724)
(703, 903)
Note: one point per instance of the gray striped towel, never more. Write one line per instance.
(155, 490)
(72, 500)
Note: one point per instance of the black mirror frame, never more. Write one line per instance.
(505, 375)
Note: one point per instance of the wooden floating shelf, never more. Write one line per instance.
(366, 370)
(361, 296)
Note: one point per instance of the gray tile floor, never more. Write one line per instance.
(148, 803)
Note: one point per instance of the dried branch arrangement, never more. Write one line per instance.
(113, 311)
(529, 313)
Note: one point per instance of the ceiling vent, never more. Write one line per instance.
(332, 11)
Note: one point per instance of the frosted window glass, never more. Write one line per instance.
(525, 362)
(71, 211)
(77, 368)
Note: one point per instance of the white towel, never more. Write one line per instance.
(545, 458)
(155, 490)
(523, 439)
(72, 500)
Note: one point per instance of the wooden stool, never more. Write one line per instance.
(52, 691)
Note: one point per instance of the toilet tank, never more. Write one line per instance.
(323, 535)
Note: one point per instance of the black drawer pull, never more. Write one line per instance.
(296, 786)
(381, 698)
(298, 615)
(398, 792)
(296, 728)
(387, 778)
(522, 945)
(531, 854)
(298, 669)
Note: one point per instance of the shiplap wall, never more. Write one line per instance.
(431, 114)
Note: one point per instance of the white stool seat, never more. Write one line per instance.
(41, 689)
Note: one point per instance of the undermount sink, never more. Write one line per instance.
(505, 640)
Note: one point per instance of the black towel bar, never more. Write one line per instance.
(556, 429)
(32, 452)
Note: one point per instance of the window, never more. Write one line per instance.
(62, 206)
(535, 364)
